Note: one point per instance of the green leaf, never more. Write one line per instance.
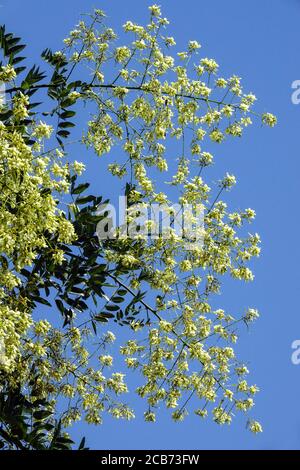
(42, 414)
(66, 124)
(82, 444)
(79, 189)
(101, 318)
(67, 114)
(40, 300)
(117, 300)
(112, 308)
(60, 306)
(84, 200)
(63, 134)
(107, 315)
(122, 292)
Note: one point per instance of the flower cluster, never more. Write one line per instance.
(27, 212)
(151, 101)
(183, 346)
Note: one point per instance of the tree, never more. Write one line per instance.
(160, 288)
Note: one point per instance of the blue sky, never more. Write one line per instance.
(259, 41)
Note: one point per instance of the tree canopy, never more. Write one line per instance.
(147, 111)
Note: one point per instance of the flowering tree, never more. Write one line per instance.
(144, 101)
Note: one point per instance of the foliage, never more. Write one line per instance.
(143, 103)
(27, 424)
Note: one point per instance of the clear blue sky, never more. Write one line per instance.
(259, 41)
